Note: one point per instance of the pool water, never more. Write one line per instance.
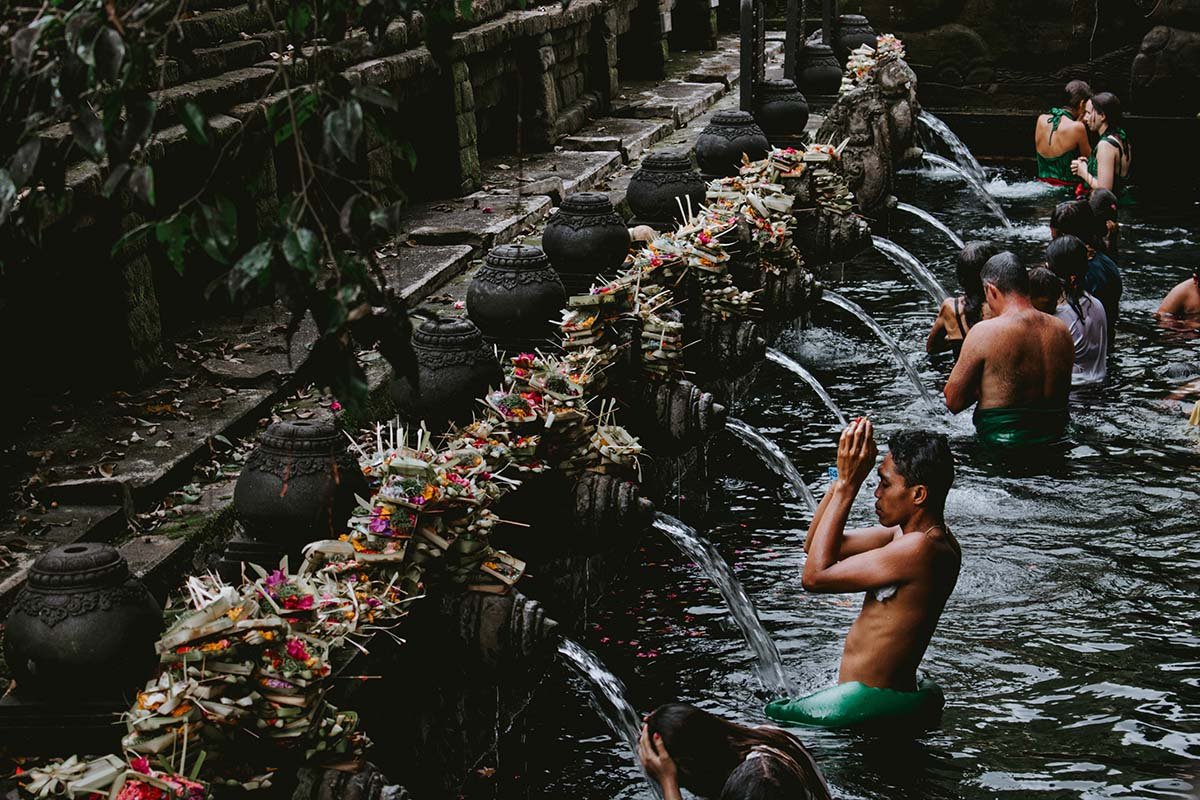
(1070, 650)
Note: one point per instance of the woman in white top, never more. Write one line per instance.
(1084, 314)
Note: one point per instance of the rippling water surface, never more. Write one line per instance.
(1070, 650)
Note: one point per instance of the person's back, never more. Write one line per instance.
(1060, 136)
(1103, 281)
(1083, 314)
(958, 314)
(1016, 366)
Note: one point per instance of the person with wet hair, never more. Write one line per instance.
(1181, 307)
(1059, 137)
(1108, 230)
(1108, 165)
(1082, 313)
(958, 314)
(684, 746)
(1103, 279)
(907, 566)
(1015, 367)
(1044, 290)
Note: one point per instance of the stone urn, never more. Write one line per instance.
(297, 486)
(729, 136)
(82, 628)
(454, 367)
(584, 239)
(782, 112)
(664, 176)
(819, 71)
(515, 296)
(853, 31)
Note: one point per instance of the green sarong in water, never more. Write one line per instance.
(854, 704)
(1020, 427)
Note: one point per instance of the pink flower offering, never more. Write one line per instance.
(296, 649)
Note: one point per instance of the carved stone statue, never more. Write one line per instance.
(1166, 70)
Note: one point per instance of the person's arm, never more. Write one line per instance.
(659, 765)
(936, 341)
(855, 541)
(1082, 143)
(826, 535)
(1106, 166)
(962, 387)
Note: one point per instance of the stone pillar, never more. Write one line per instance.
(470, 176)
(643, 50)
(539, 106)
(694, 25)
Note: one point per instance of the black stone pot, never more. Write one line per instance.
(82, 629)
(455, 368)
(820, 72)
(515, 297)
(663, 176)
(729, 135)
(852, 31)
(297, 487)
(584, 239)
(782, 112)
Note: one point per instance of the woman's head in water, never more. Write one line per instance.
(970, 261)
(1103, 112)
(1074, 218)
(708, 750)
(765, 777)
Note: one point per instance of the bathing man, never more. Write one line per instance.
(1182, 304)
(907, 566)
(1060, 137)
(1016, 365)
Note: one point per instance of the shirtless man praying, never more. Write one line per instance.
(907, 566)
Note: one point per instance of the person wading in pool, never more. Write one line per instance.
(1108, 165)
(1181, 306)
(1016, 366)
(1060, 137)
(907, 566)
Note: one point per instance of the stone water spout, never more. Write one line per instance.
(500, 629)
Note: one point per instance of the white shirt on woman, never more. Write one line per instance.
(1089, 335)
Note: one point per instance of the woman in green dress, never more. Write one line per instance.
(1108, 165)
(1060, 137)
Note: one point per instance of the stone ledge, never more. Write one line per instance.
(630, 137)
(676, 100)
(554, 175)
(417, 272)
(480, 220)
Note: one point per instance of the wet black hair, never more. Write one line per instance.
(1103, 204)
(1067, 258)
(1044, 283)
(924, 458)
(1074, 217)
(708, 750)
(1076, 92)
(1109, 105)
(970, 261)
(765, 778)
(1004, 271)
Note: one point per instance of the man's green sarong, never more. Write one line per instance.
(1020, 427)
(854, 704)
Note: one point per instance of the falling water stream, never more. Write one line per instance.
(913, 266)
(797, 369)
(717, 569)
(775, 459)
(933, 221)
(962, 154)
(977, 185)
(897, 353)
